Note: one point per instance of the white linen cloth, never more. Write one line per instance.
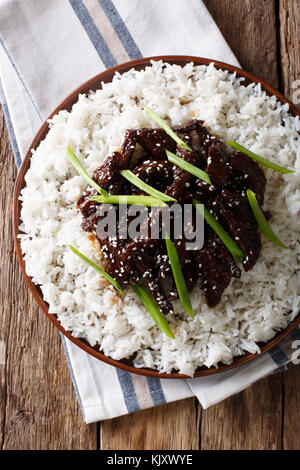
(48, 48)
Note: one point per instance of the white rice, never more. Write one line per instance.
(252, 309)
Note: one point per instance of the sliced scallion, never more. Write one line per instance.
(262, 221)
(100, 270)
(136, 181)
(147, 201)
(259, 159)
(178, 277)
(153, 309)
(188, 167)
(79, 168)
(230, 244)
(156, 118)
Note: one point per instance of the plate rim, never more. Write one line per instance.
(16, 208)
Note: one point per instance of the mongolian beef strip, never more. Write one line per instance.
(218, 165)
(154, 141)
(88, 209)
(215, 272)
(108, 176)
(189, 269)
(181, 179)
(158, 174)
(241, 224)
(214, 262)
(145, 255)
(249, 173)
(146, 259)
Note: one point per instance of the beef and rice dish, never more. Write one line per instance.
(150, 299)
(231, 174)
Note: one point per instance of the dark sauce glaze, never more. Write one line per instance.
(146, 260)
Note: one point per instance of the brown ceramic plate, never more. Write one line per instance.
(94, 84)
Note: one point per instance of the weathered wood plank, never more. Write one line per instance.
(169, 427)
(249, 27)
(289, 12)
(39, 409)
(250, 420)
(4, 151)
(291, 408)
(290, 69)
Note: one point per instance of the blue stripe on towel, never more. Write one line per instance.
(121, 29)
(156, 391)
(278, 356)
(10, 129)
(128, 391)
(280, 369)
(93, 33)
(295, 334)
(21, 80)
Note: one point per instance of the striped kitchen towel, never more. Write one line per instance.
(48, 48)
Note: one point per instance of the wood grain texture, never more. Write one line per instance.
(289, 11)
(168, 427)
(39, 409)
(250, 420)
(291, 408)
(249, 27)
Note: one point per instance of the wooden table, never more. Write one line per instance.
(38, 407)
